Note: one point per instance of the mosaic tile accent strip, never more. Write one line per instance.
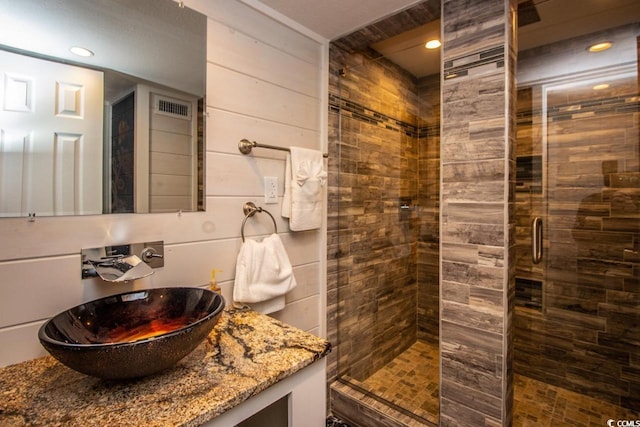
(594, 108)
(461, 66)
(366, 115)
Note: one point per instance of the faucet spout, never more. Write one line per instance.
(119, 268)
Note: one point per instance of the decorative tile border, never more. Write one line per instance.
(367, 115)
(618, 104)
(460, 66)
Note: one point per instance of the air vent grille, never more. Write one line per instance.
(173, 108)
(527, 13)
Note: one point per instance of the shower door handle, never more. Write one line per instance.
(536, 240)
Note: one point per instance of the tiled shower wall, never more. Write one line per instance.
(478, 198)
(581, 333)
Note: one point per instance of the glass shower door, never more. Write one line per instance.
(577, 313)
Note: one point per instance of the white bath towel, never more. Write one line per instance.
(305, 179)
(263, 275)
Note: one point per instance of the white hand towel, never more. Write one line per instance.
(263, 274)
(304, 183)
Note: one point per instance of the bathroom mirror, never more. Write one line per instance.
(118, 131)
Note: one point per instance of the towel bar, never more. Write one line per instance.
(245, 146)
(250, 210)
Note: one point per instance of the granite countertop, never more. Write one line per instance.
(244, 354)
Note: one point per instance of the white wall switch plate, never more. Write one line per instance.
(270, 189)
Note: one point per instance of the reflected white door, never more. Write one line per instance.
(51, 130)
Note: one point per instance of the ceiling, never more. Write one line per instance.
(332, 19)
(131, 37)
(335, 18)
(559, 20)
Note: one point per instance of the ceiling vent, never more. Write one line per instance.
(527, 13)
(172, 107)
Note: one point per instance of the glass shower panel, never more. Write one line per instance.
(387, 229)
(592, 227)
(377, 190)
(578, 170)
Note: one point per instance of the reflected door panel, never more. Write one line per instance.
(50, 147)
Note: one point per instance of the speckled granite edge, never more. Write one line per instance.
(244, 354)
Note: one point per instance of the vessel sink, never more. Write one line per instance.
(132, 334)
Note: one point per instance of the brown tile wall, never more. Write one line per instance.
(477, 204)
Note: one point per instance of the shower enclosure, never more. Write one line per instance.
(578, 179)
(384, 222)
(577, 213)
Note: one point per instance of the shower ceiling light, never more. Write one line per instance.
(433, 44)
(599, 47)
(81, 51)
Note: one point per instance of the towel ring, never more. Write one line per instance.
(250, 210)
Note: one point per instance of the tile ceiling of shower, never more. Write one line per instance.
(559, 20)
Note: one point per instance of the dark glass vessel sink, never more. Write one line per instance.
(133, 334)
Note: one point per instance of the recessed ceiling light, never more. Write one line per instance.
(599, 47)
(601, 86)
(433, 44)
(81, 51)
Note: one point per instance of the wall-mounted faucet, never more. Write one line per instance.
(122, 263)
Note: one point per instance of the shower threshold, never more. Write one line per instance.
(404, 392)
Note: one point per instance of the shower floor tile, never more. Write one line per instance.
(539, 404)
(410, 381)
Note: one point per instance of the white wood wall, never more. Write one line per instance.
(266, 81)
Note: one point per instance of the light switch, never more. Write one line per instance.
(270, 189)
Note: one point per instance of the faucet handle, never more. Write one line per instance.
(149, 253)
